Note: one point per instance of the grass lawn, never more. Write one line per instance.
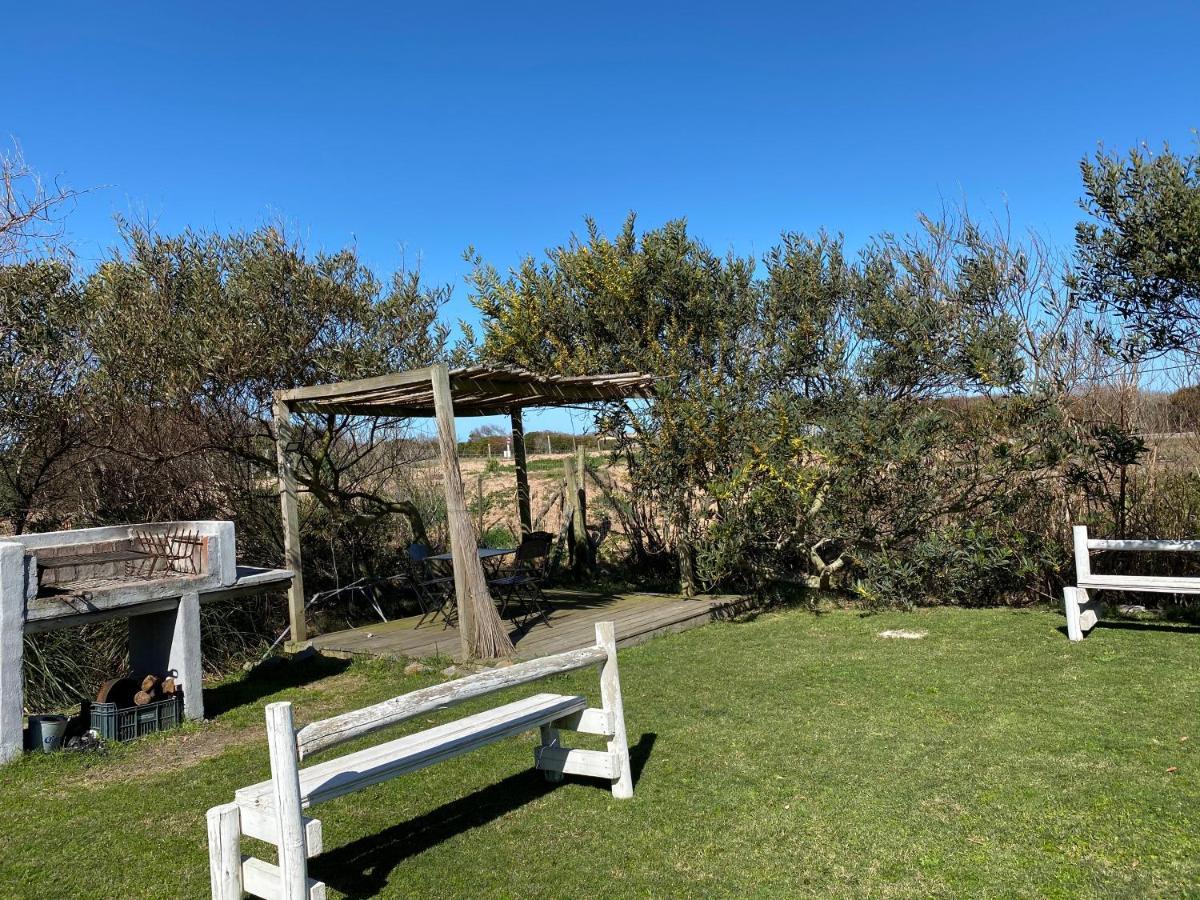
(791, 755)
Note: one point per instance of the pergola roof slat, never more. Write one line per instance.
(476, 390)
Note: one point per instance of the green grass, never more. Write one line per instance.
(793, 755)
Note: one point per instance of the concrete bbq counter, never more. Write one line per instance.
(155, 575)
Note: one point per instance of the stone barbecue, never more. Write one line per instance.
(155, 575)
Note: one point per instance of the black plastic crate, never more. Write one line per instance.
(125, 724)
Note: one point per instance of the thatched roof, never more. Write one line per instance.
(476, 390)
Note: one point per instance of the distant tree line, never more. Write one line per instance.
(493, 440)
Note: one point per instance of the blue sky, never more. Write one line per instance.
(415, 131)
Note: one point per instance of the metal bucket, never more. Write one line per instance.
(46, 733)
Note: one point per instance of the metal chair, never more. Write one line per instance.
(522, 581)
(434, 592)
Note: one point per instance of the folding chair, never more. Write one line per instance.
(434, 592)
(522, 581)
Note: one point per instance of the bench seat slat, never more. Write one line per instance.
(1154, 584)
(354, 771)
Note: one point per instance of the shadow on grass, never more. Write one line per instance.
(1134, 625)
(276, 675)
(1139, 625)
(362, 867)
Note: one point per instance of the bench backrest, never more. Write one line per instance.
(1084, 545)
(330, 732)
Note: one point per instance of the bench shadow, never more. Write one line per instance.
(1135, 625)
(362, 867)
(277, 674)
(1132, 625)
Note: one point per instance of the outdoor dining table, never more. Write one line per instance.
(485, 553)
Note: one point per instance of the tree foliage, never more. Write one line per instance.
(1139, 253)
(804, 427)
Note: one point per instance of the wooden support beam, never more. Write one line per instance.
(260, 823)
(290, 510)
(289, 817)
(558, 761)
(224, 852)
(614, 705)
(456, 504)
(481, 633)
(581, 474)
(352, 388)
(524, 515)
(578, 536)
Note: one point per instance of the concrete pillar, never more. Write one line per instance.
(12, 633)
(168, 642)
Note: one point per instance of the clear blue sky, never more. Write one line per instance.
(415, 131)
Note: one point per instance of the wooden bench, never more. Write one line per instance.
(273, 810)
(1082, 607)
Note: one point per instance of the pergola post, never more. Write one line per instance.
(574, 505)
(290, 509)
(581, 474)
(518, 447)
(480, 631)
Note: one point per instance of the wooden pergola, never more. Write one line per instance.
(441, 392)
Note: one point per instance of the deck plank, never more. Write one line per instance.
(573, 616)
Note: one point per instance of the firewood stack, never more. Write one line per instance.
(137, 690)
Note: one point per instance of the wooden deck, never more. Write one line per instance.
(638, 617)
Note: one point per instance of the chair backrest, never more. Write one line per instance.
(535, 546)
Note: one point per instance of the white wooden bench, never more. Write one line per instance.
(1080, 603)
(273, 810)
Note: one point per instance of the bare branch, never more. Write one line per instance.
(31, 211)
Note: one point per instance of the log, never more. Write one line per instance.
(149, 683)
(169, 686)
(120, 691)
(142, 698)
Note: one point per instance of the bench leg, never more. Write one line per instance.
(610, 695)
(1071, 608)
(550, 739)
(225, 852)
(1083, 612)
(1089, 609)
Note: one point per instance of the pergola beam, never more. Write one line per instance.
(361, 385)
